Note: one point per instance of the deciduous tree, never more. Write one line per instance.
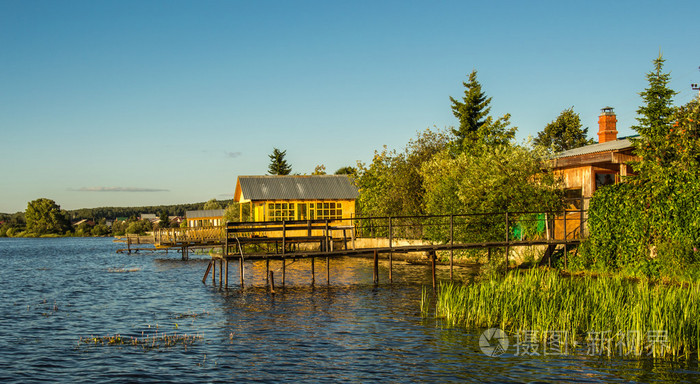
(44, 216)
(564, 133)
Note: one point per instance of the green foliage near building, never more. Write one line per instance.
(505, 178)
(391, 184)
(650, 225)
(278, 165)
(45, 217)
(564, 133)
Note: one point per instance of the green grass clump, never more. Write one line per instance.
(544, 301)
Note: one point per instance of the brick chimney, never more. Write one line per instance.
(607, 126)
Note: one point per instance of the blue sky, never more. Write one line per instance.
(125, 103)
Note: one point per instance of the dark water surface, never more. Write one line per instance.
(57, 291)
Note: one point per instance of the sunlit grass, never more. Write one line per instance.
(542, 300)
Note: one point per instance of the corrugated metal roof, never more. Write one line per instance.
(204, 213)
(315, 187)
(619, 144)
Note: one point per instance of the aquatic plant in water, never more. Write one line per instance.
(153, 341)
(618, 313)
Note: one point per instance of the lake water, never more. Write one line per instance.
(59, 295)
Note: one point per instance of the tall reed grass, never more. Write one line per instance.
(544, 301)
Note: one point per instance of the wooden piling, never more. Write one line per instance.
(271, 278)
(213, 272)
(313, 273)
(204, 279)
(267, 271)
(328, 270)
(226, 263)
(433, 267)
(284, 270)
(241, 270)
(375, 270)
(221, 273)
(391, 253)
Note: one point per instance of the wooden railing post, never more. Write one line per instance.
(507, 239)
(452, 243)
(391, 253)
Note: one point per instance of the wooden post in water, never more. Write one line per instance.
(221, 272)
(313, 272)
(328, 270)
(284, 270)
(391, 254)
(226, 282)
(271, 277)
(375, 270)
(284, 236)
(213, 272)
(240, 270)
(128, 244)
(433, 267)
(267, 271)
(204, 279)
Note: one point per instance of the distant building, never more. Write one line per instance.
(152, 217)
(205, 218)
(276, 198)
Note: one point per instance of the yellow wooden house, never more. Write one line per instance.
(277, 198)
(205, 218)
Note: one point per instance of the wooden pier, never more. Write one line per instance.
(313, 239)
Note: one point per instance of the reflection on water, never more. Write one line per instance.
(58, 290)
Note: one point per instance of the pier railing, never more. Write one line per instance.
(168, 237)
(527, 226)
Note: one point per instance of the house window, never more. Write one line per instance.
(281, 211)
(325, 210)
(572, 198)
(602, 179)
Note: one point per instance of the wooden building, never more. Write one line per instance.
(205, 218)
(588, 168)
(277, 198)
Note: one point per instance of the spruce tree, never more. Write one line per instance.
(655, 116)
(471, 111)
(278, 165)
(476, 126)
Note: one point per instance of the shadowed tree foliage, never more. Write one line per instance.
(44, 216)
(564, 133)
(278, 165)
(211, 204)
(352, 171)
